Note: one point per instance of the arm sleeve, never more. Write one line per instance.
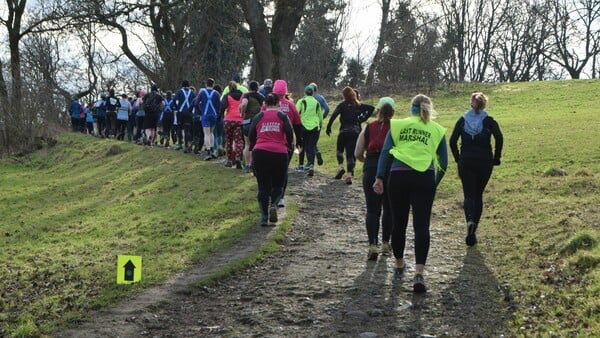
(288, 129)
(366, 112)
(334, 116)
(442, 157)
(454, 139)
(498, 141)
(252, 131)
(385, 156)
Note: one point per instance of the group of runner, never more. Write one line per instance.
(259, 127)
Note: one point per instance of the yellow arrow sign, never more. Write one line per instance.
(129, 269)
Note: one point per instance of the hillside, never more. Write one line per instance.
(69, 210)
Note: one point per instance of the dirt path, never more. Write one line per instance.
(320, 285)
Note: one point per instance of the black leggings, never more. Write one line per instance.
(411, 189)
(311, 137)
(346, 141)
(375, 203)
(184, 129)
(474, 176)
(270, 170)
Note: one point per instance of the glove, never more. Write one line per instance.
(496, 161)
(328, 131)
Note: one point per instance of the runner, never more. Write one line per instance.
(415, 151)
(371, 141)
(270, 137)
(352, 113)
(475, 159)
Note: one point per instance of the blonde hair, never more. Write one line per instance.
(479, 99)
(424, 103)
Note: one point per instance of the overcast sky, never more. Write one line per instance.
(363, 28)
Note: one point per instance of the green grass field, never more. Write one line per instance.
(68, 211)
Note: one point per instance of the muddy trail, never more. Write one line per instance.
(320, 284)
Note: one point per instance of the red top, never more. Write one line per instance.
(377, 133)
(270, 132)
(233, 110)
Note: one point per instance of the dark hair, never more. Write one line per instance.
(210, 82)
(253, 85)
(185, 83)
(272, 99)
(218, 88)
(111, 92)
(386, 112)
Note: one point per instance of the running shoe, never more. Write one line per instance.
(264, 221)
(227, 164)
(386, 249)
(273, 214)
(311, 172)
(399, 268)
(300, 168)
(471, 238)
(340, 174)
(247, 169)
(349, 179)
(419, 284)
(238, 165)
(319, 158)
(372, 255)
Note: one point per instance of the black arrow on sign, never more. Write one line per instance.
(129, 269)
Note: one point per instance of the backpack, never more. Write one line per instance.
(153, 103)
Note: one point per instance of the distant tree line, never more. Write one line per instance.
(56, 50)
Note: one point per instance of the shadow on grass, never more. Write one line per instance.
(473, 301)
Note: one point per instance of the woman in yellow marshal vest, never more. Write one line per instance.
(417, 158)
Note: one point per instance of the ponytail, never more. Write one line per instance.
(422, 106)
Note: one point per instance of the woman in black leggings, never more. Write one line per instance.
(475, 159)
(371, 141)
(352, 113)
(415, 151)
(270, 138)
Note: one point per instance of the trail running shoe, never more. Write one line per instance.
(349, 179)
(264, 221)
(386, 249)
(372, 255)
(340, 174)
(273, 214)
(419, 284)
(399, 268)
(319, 158)
(471, 238)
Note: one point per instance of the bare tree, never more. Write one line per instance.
(17, 122)
(385, 12)
(574, 33)
(317, 53)
(518, 53)
(471, 29)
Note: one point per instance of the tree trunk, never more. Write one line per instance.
(385, 11)
(261, 39)
(271, 50)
